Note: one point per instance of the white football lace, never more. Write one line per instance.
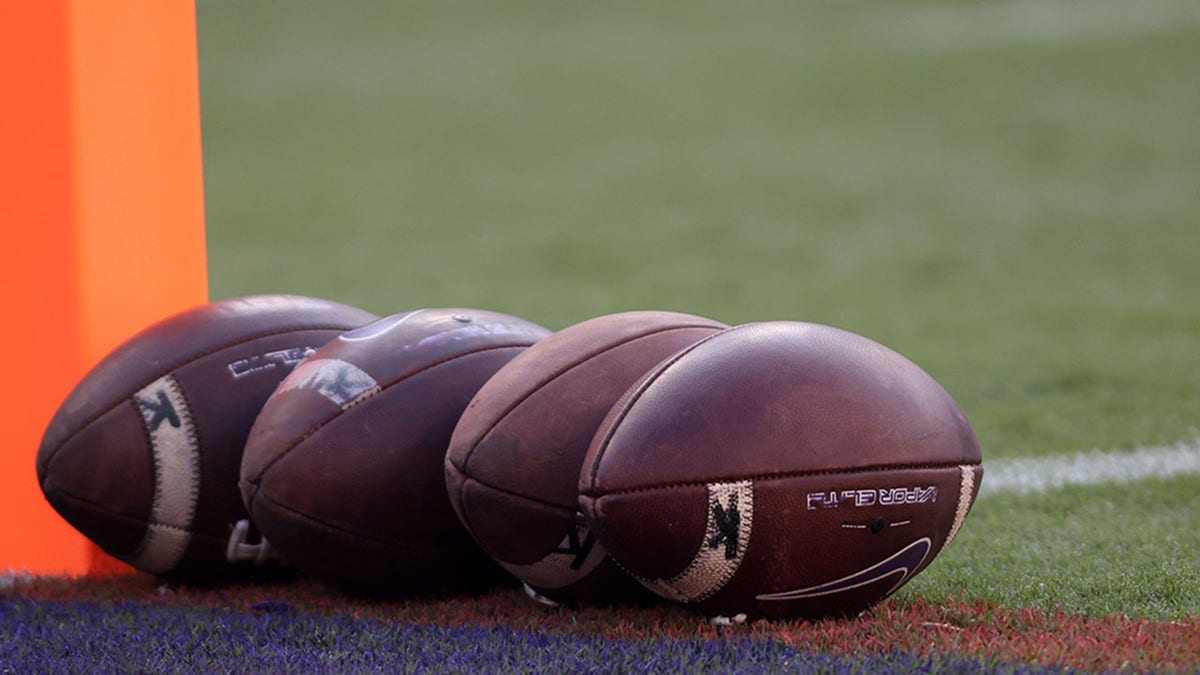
(240, 550)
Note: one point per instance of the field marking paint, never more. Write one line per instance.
(1096, 467)
(998, 24)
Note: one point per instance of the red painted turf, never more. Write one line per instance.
(922, 627)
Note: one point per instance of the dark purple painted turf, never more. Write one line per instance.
(85, 637)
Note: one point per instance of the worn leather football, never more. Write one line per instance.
(513, 465)
(143, 456)
(780, 469)
(343, 469)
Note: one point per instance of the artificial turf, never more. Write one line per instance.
(84, 637)
(303, 625)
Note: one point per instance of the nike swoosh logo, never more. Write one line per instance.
(903, 564)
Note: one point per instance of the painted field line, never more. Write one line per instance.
(984, 25)
(1096, 467)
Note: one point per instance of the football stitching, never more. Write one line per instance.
(966, 490)
(151, 545)
(169, 526)
(706, 574)
(193, 432)
(879, 468)
(171, 371)
(564, 371)
(256, 481)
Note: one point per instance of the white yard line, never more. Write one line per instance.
(984, 25)
(1096, 467)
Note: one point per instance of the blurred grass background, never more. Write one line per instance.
(1006, 192)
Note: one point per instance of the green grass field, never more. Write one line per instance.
(1008, 193)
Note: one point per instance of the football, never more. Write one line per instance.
(512, 469)
(780, 469)
(343, 468)
(143, 455)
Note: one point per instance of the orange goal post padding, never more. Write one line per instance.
(102, 208)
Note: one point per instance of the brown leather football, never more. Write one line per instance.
(780, 469)
(143, 456)
(513, 465)
(343, 469)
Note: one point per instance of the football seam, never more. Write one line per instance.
(464, 514)
(338, 528)
(458, 502)
(777, 476)
(52, 487)
(171, 371)
(510, 493)
(257, 480)
(562, 372)
(653, 376)
(143, 522)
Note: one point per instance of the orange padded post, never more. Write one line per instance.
(101, 202)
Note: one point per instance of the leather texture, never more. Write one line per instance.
(343, 471)
(96, 463)
(514, 460)
(843, 452)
